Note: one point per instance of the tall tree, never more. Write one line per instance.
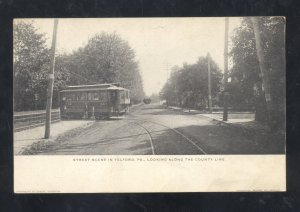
(31, 63)
(264, 73)
(30, 60)
(247, 86)
(188, 85)
(107, 58)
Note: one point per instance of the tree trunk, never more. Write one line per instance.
(263, 69)
(261, 109)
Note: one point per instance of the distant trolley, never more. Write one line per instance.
(94, 101)
(147, 100)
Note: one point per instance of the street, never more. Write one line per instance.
(152, 129)
(172, 104)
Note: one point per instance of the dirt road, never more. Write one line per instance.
(154, 129)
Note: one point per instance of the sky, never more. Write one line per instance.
(159, 43)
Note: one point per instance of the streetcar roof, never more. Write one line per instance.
(84, 89)
(95, 87)
(116, 88)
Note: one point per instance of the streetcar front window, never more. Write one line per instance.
(123, 95)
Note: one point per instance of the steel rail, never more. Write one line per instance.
(149, 135)
(176, 131)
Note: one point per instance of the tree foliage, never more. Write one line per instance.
(246, 88)
(105, 59)
(31, 58)
(188, 85)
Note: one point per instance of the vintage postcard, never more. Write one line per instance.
(149, 104)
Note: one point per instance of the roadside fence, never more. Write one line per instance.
(29, 119)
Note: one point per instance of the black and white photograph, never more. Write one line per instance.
(131, 100)
(149, 86)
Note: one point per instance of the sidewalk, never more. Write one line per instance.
(244, 121)
(241, 121)
(232, 117)
(26, 138)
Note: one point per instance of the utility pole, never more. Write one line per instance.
(209, 84)
(225, 99)
(167, 70)
(262, 65)
(51, 81)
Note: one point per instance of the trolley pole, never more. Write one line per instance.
(209, 84)
(225, 97)
(51, 81)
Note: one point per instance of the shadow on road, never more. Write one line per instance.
(220, 139)
(163, 110)
(152, 106)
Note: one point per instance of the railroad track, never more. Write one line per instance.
(149, 136)
(141, 123)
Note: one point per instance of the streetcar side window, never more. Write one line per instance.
(67, 96)
(95, 96)
(89, 96)
(102, 96)
(82, 96)
(72, 97)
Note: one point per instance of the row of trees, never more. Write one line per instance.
(187, 85)
(106, 58)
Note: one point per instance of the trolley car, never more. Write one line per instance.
(94, 101)
(147, 100)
